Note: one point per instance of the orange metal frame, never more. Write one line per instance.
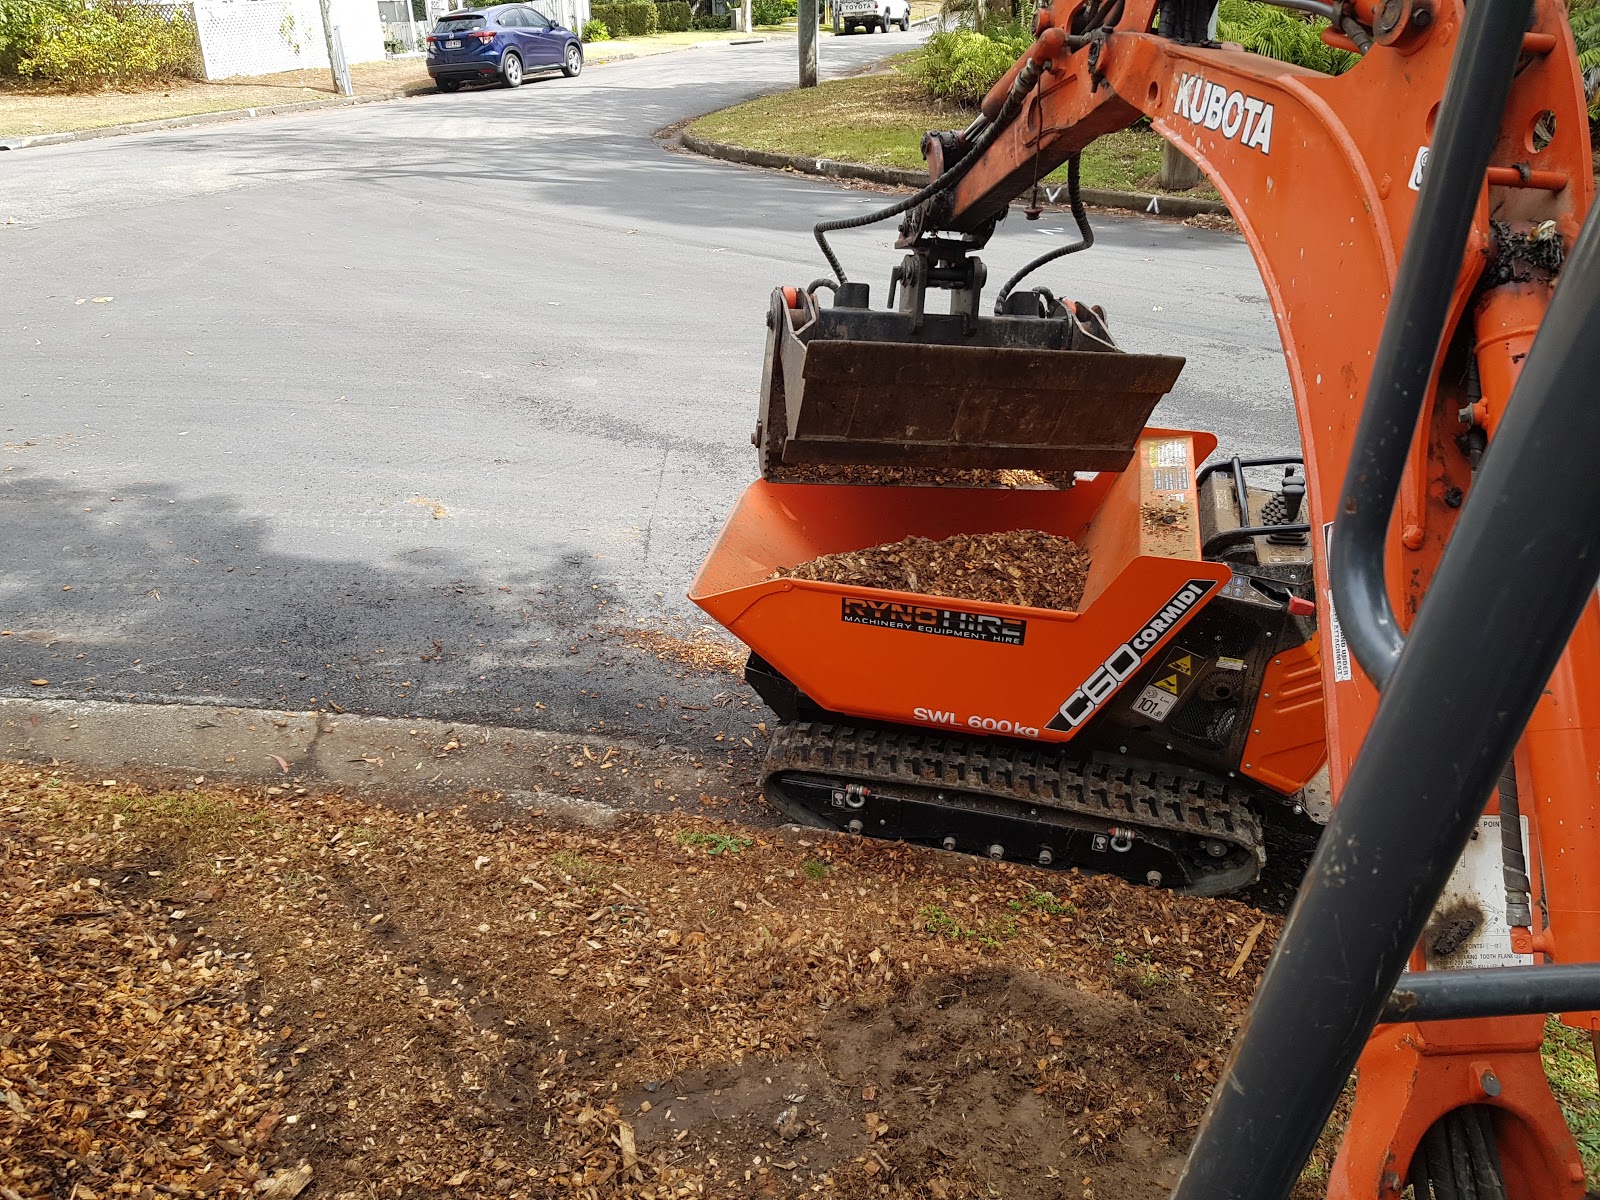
(1321, 173)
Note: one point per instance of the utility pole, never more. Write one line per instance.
(748, 27)
(807, 12)
(1178, 172)
(339, 85)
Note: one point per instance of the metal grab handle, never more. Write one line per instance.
(1495, 992)
(1468, 124)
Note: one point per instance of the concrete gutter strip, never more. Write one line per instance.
(286, 749)
(1167, 206)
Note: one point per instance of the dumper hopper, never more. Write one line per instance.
(946, 662)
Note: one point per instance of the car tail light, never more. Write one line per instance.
(484, 36)
(432, 41)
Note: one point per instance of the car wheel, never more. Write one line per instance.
(511, 69)
(573, 66)
(905, 22)
(447, 85)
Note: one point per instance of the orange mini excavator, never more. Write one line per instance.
(1421, 223)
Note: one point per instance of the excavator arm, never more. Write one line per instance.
(1322, 174)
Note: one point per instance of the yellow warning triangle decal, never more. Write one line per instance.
(1169, 684)
(1184, 664)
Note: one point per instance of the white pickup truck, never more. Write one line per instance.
(870, 15)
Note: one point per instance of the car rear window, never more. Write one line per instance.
(457, 24)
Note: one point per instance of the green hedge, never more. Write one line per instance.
(639, 18)
(73, 44)
(712, 21)
(595, 31)
(609, 15)
(961, 65)
(674, 16)
(772, 12)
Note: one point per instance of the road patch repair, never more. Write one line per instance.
(289, 989)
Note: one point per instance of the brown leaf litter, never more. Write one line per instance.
(701, 651)
(1021, 566)
(214, 991)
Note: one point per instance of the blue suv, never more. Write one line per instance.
(508, 42)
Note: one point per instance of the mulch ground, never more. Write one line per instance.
(218, 992)
(1022, 566)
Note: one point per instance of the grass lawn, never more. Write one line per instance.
(880, 119)
(1569, 1062)
(26, 113)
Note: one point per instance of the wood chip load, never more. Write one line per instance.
(1023, 566)
(922, 477)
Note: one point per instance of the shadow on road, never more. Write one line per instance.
(166, 597)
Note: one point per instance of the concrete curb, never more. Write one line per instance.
(1166, 206)
(385, 755)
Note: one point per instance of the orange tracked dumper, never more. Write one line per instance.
(1204, 677)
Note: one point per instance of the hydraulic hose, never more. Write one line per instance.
(1469, 121)
(1020, 87)
(1085, 238)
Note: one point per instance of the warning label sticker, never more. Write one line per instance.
(1155, 703)
(1174, 676)
(1468, 928)
(1337, 645)
(1172, 453)
(1169, 479)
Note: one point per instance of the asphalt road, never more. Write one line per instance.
(406, 407)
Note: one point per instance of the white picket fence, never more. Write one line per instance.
(259, 37)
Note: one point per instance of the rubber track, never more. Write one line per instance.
(1045, 778)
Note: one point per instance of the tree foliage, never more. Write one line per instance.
(75, 44)
(1585, 18)
(961, 65)
(1279, 33)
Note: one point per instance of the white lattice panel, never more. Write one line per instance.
(260, 37)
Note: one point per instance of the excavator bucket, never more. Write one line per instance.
(863, 387)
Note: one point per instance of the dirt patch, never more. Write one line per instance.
(922, 477)
(475, 1002)
(1022, 566)
(1221, 222)
(1451, 928)
(1167, 529)
(1001, 1081)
